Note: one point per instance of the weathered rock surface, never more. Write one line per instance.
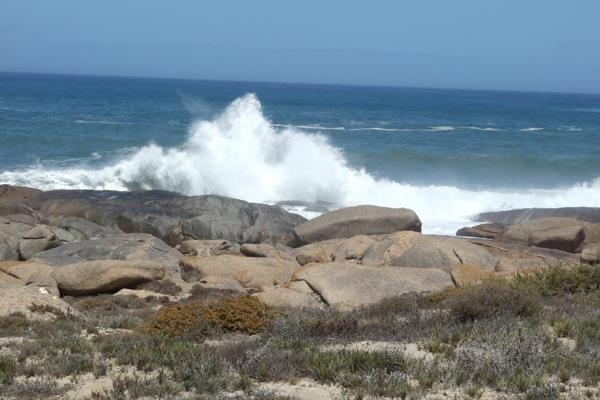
(132, 247)
(31, 274)
(144, 294)
(251, 272)
(464, 275)
(483, 231)
(565, 234)
(82, 229)
(587, 214)
(514, 258)
(352, 285)
(208, 248)
(284, 297)
(353, 248)
(166, 215)
(38, 239)
(591, 253)
(221, 283)
(267, 250)
(25, 300)
(104, 276)
(360, 220)
(410, 249)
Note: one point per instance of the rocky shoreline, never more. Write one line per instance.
(92, 242)
(112, 295)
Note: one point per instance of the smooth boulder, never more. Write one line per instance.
(257, 273)
(33, 303)
(360, 220)
(104, 276)
(284, 297)
(31, 274)
(352, 285)
(564, 234)
(125, 247)
(483, 231)
(591, 253)
(411, 249)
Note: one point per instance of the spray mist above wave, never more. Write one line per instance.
(241, 154)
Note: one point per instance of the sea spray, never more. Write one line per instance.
(241, 154)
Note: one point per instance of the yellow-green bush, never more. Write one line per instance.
(244, 314)
(238, 314)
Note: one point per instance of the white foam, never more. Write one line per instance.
(100, 122)
(240, 154)
(532, 129)
(441, 128)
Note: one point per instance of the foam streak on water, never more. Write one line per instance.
(242, 155)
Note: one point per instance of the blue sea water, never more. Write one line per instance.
(448, 154)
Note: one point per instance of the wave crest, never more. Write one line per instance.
(241, 154)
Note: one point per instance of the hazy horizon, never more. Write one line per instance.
(512, 46)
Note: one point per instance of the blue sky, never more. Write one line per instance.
(545, 45)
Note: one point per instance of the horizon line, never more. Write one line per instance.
(297, 83)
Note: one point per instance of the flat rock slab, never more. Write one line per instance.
(587, 214)
(554, 233)
(251, 272)
(360, 220)
(352, 285)
(167, 215)
(124, 247)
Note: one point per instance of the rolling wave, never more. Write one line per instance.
(241, 154)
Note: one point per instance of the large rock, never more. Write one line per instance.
(586, 214)
(465, 275)
(31, 274)
(360, 220)
(267, 250)
(591, 253)
(18, 200)
(352, 285)
(82, 229)
(565, 234)
(40, 238)
(9, 247)
(411, 249)
(284, 297)
(105, 276)
(251, 272)
(483, 231)
(32, 303)
(516, 258)
(126, 247)
(208, 248)
(166, 215)
(339, 250)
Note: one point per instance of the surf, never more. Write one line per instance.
(241, 154)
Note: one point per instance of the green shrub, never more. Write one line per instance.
(560, 279)
(8, 367)
(492, 298)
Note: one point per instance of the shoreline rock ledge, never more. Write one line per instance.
(360, 220)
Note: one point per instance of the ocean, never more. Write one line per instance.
(447, 154)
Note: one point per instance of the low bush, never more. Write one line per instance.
(560, 279)
(244, 314)
(492, 298)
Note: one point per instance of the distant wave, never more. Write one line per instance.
(478, 128)
(101, 122)
(569, 128)
(532, 129)
(240, 154)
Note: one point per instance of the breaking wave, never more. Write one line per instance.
(242, 155)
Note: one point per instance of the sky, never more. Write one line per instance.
(539, 45)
